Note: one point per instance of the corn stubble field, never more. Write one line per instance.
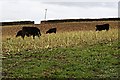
(73, 52)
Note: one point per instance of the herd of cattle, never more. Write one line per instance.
(34, 31)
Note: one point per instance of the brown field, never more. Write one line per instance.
(10, 31)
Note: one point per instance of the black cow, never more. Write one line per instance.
(19, 33)
(102, 27)
(29, 31)
(52, 30)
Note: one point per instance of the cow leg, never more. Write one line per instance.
(39, 34)
(107, 29)
(33, 36)
(23, 35)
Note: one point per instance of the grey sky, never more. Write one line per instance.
(16, 10)
(85, 4)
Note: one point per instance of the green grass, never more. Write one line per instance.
(84, 54)
(98, 61)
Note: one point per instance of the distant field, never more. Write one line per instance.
(75, 51)
(61, 27)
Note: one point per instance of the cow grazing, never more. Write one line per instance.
(102, 27)
(19, 33)
(29, 31)
(52, 30)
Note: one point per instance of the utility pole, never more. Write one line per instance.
(45, 13)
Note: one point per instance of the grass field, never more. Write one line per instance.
(67, 54)
(98, 61)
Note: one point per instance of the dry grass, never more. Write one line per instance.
(65, 39)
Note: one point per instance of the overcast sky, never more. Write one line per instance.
(34, 10)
